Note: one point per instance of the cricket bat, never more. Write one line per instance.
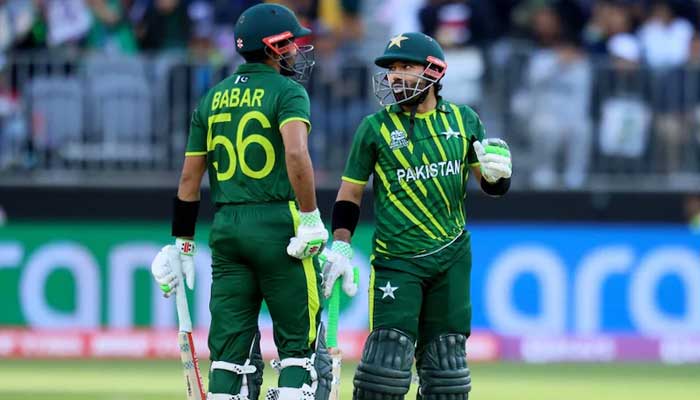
(332, 339)
(193, 378)
(332, 335)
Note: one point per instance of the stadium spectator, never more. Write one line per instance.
(165, 26)
(625, 115)
(13, 133)
(693, 70)
(465, 21)
(595, 34)
(400, 16)
(620, 23)
(111, 29)
(666, 43)
(665, 36)
(67, 21)
(450, 24)
(554, 102)
(16, 20)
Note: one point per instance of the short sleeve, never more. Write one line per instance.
(476, 133)
(363, 155)
(294, 105)
(197, 140)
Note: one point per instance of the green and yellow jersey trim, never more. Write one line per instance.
(351, 180)
(440, 189)
(426, 114)
(195, 153)
(395, 201)
(311, 285)
(404, 163)
(463, 132)
(290, 119)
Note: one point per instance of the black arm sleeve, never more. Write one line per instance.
(346, 214)
(184, 217)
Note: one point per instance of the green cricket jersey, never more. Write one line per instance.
(237, 126)
(419, 182)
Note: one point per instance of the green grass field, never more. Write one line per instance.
(161, 380)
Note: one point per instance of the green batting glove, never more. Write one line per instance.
(494, 159)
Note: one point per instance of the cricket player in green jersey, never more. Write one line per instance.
(420, 149)
(250, 133)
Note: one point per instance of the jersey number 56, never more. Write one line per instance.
(236, 154)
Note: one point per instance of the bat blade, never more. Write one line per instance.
(190, 365)
(337, 357)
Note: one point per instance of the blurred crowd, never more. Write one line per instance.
(131, 26)
(587, 86)
(582, 86)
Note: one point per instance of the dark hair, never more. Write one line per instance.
(256, 56)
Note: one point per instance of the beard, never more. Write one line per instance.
(406, 93)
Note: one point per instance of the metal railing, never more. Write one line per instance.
(100, 120)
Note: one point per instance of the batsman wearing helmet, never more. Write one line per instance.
(420, 149)
(250, 133)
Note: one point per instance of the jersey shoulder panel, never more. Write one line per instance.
(292, 102)
(472, 121)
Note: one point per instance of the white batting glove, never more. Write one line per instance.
(494, 157)
(311, 236)
(171, 259)
(337, 264)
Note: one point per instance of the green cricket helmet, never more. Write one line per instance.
(272, 28)
(411, 47)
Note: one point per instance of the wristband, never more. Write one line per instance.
(346, 214)
(184, 217)
(498, 188)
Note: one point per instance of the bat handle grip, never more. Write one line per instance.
(333, 316)
(183, 310)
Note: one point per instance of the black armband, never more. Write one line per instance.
(498, 188)
(346, 214)
(184, 217)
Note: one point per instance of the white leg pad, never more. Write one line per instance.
(225, 396)
(306, 363)
(244, 370)
(284, 393)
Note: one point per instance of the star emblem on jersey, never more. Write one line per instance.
(396, 41)
(450, 134)
(388, 290)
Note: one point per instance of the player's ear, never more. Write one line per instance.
(437, 87)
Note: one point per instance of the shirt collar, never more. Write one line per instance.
(442, 106)
(254, 67)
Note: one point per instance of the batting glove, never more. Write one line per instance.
(336, 264)
(494, 159)
(311, 236)
(171, 259)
